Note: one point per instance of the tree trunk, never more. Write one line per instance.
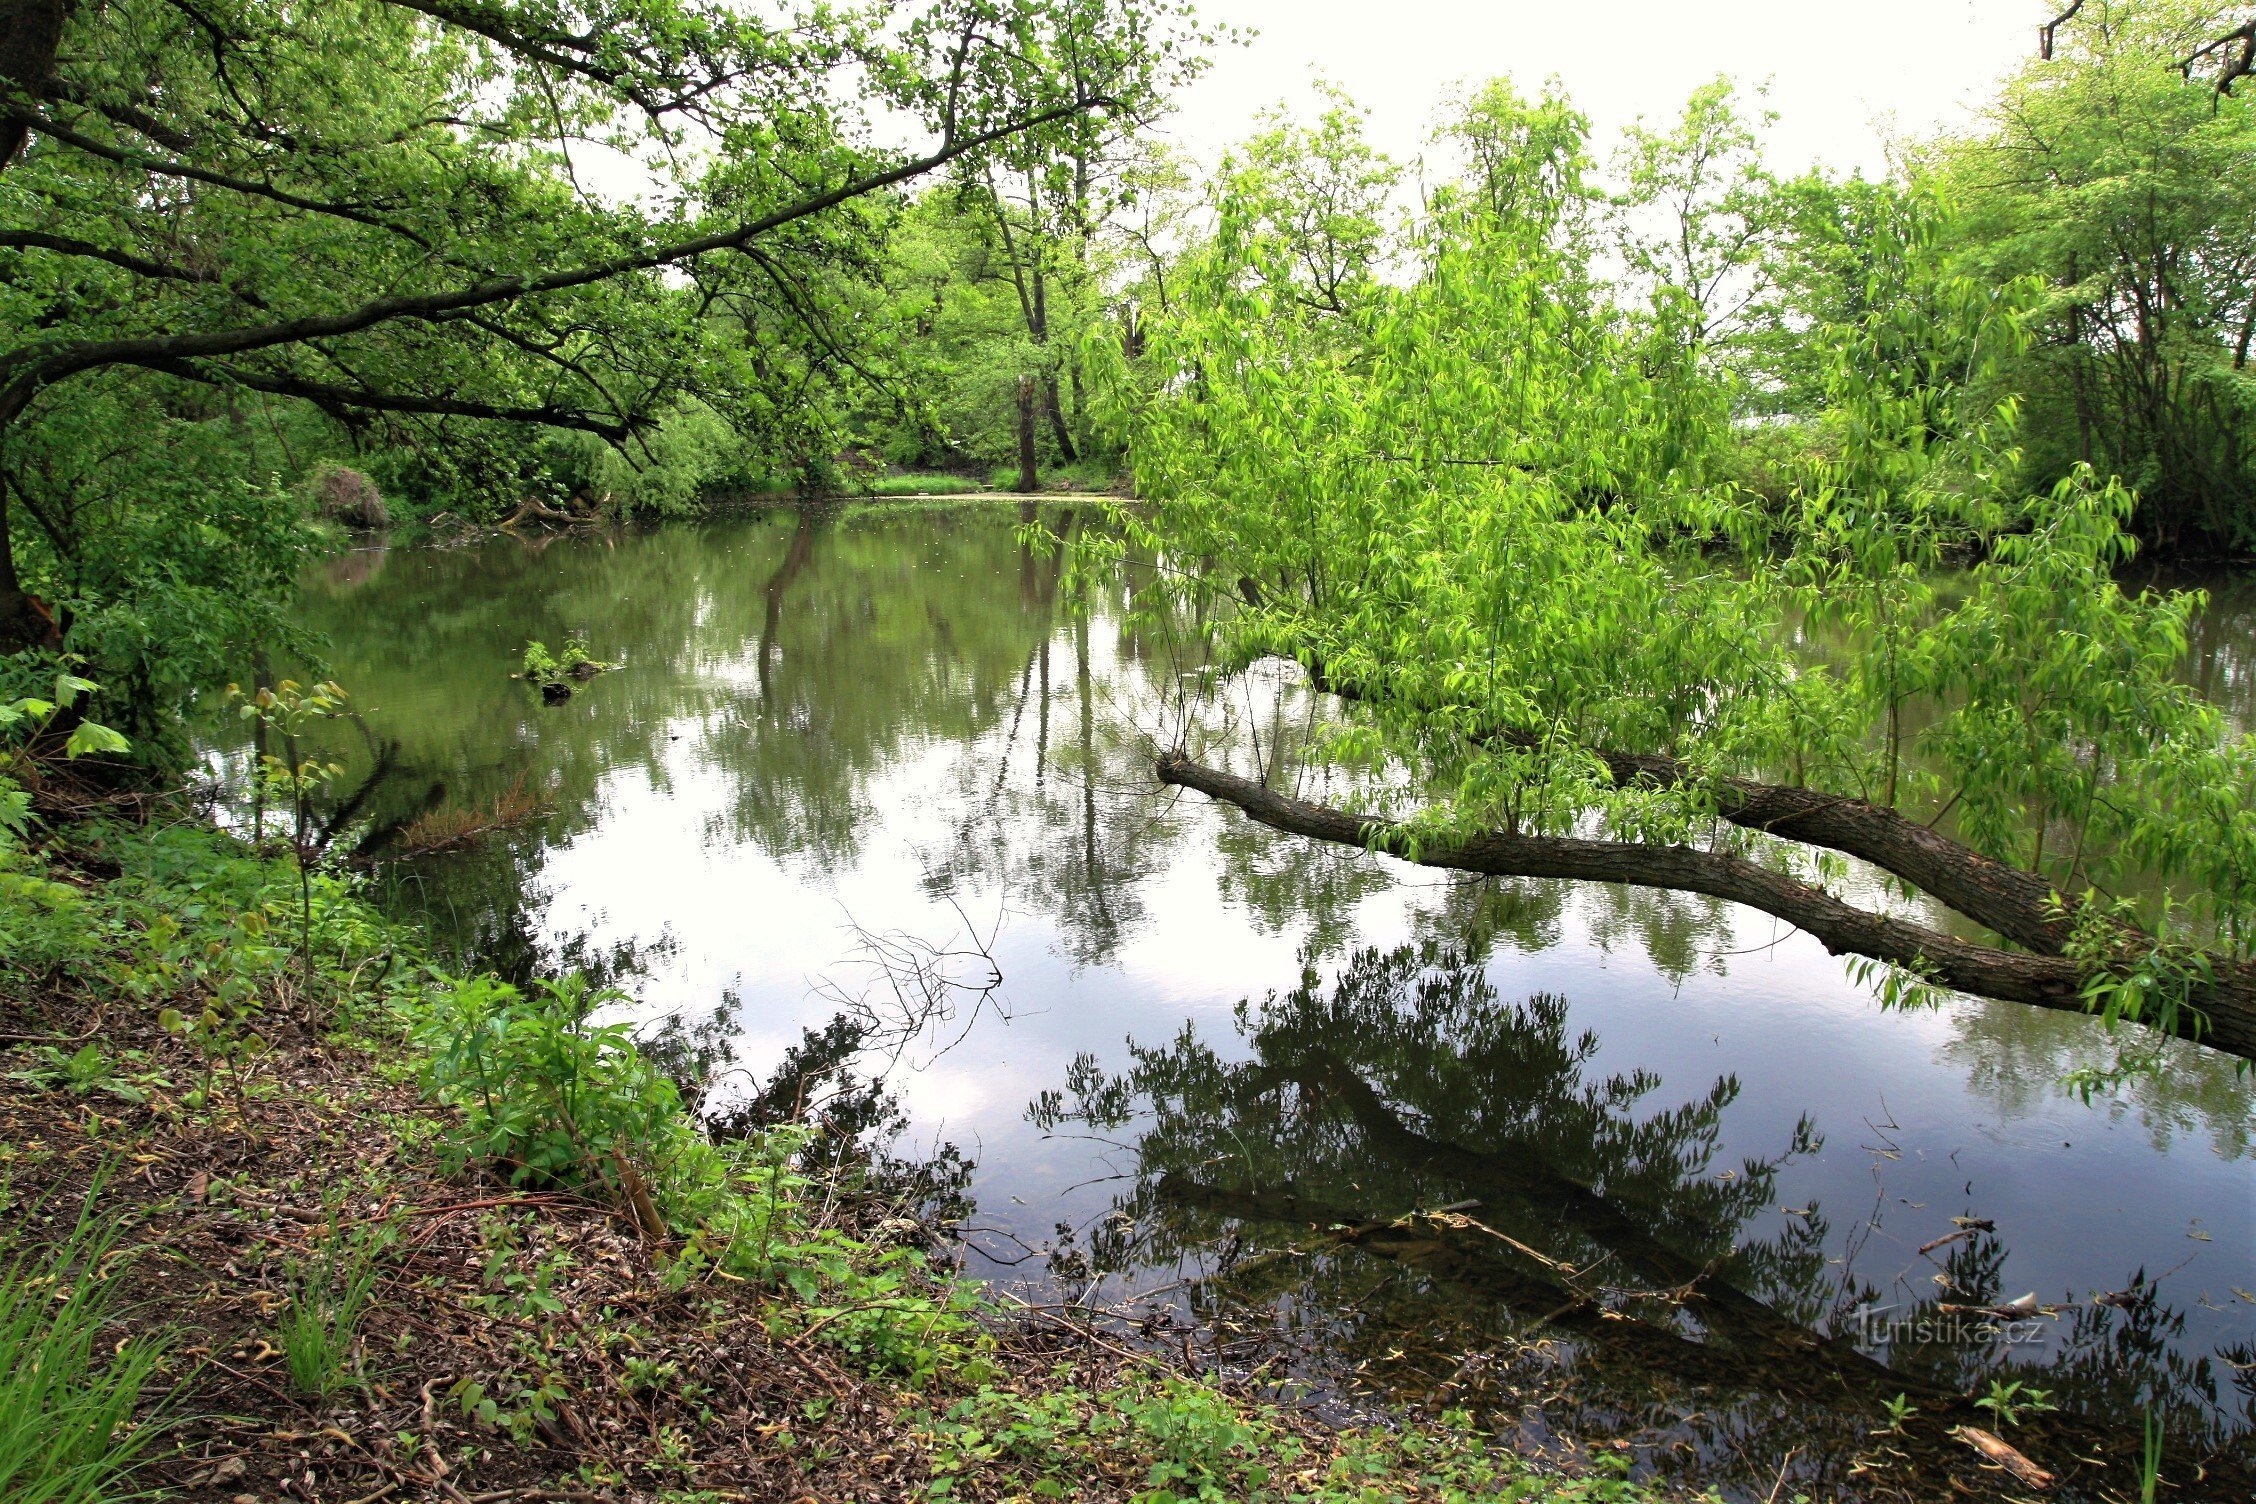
(2221, 1011)
(1029, 476)
(1068, 452)
(30, 32)
(22, 624)
(2020, 905)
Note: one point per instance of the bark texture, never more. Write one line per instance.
(2222, 1014)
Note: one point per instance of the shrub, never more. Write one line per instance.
(554, 1099)
(347, 496)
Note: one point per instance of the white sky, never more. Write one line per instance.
(1844, 77)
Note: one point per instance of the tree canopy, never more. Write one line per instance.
(439, 217)
(1492, 511)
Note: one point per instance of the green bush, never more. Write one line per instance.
(692, 457)
(546, 1094)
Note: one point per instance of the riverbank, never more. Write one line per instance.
(375, 1232)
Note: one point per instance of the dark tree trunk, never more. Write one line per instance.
(22, 624)
(30, 31)
(2222, 1011)
(1029, 468)
(1068, 453)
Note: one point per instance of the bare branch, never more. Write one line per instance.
(2047, 33)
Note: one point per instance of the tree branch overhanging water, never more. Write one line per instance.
(2220, 1012)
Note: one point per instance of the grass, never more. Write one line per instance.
(68, 1386)
(318, 1333)
(1086, 475)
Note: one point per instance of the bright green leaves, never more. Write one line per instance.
(29, 713)
(2123, 184)
(89, 738)
(1482, 503)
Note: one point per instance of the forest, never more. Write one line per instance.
(907, 480)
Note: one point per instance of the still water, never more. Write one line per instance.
(1705, 1204)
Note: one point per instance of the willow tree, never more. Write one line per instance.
(462, 215)
(1488, 522)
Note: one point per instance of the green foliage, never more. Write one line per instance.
(90, 1069)
(193, 928)
(693, 456)
(38, 916)
(2008, 1400)
(361, 228)
(548, 1095)
(1700, 215)
(1495, 508)
(926, 485)
(556, 1099)
(69, 1386)
(556, 672)
(287, 711)
(2123, 183)
(2150, 1455)
(22, 718)
(1180, 1440)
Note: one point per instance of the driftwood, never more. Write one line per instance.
(2003, 1454)
(578, 511)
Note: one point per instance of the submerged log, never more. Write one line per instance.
(580, 510)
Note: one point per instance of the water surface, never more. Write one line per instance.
(862, 761)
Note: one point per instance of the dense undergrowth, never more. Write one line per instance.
(327, 1222)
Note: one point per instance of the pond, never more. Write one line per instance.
(1687, 1193)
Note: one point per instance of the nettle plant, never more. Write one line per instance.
(30, 900)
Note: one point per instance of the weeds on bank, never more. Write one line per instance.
(1184, 1441)
(556, 1099)
(321, 1326)
(925, 485)
(68, 1387)
(551, 1093)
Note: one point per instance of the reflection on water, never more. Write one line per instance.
(855, 758)
(1593, 1268)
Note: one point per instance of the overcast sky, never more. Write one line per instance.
(1843, 77)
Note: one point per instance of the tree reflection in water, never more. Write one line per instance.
(1444, 1196)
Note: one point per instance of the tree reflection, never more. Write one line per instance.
(1445, 1194)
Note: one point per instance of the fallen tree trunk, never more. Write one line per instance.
(2015, 903)
(2221, 1011)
